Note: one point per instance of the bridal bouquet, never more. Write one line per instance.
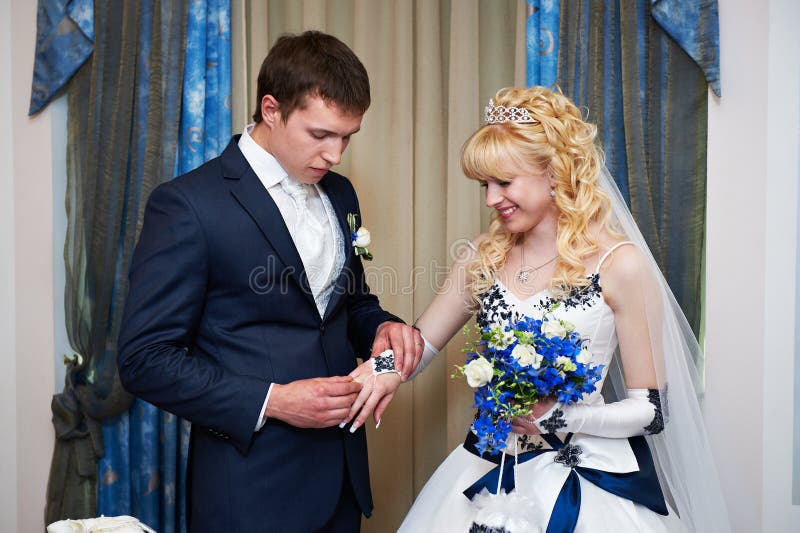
(515, 364)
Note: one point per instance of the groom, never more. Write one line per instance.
(248, 306)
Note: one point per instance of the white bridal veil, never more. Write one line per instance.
(681, 451)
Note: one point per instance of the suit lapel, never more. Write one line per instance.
(249, 192)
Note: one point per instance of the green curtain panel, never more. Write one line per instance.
(124, 111)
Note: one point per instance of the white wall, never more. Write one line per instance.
(8, 391)
(780, 253)
(752, 242)
(30, 266)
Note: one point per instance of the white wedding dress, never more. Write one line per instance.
(442, 507)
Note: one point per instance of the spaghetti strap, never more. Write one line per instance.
(472, 246)
(605, 255)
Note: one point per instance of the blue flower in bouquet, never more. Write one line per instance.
(515, 364)
(491, 432)
(569, 394)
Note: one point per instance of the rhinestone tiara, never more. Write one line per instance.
(497, 114)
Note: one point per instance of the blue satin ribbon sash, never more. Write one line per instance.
(640, 487)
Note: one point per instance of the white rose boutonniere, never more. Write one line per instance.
(360, 237)
(479, 372)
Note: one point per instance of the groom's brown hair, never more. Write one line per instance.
(312, 63)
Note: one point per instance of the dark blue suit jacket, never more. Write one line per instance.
(219, 307)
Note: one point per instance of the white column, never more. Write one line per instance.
(735, 262)
(8, 386)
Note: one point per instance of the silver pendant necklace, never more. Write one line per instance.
(526, 273)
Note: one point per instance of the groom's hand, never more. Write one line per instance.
(405, 341)
(313, 403)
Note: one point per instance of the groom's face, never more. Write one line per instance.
(313, 139)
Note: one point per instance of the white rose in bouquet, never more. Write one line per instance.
(526, 355)
(554, 328)
(479, 372)
(585, 357)
(565, 363)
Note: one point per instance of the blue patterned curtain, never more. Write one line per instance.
(64, 41)
(641, 68)
(143, 472)
(542, 42)
(206, 113)
(694, 26)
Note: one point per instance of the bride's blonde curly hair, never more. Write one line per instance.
(563, 144)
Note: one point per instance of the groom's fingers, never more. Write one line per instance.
(380, 345)
(337, 379)
(408, 352)
(406, 343)
(335, 407)
(335, 387)
(360, 400)
(315, 402)
(396, 344)
(381, 342)
(413, 347)
(401, 340)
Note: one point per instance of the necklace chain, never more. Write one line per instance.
(527, 273)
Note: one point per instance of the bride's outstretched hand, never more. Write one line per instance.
(376, 393)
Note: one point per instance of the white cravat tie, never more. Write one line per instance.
(308, 234)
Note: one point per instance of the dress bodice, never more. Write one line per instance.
(584, 307)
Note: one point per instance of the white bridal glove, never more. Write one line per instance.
(428, 355)
(638, 414)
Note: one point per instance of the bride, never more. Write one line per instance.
(634, 458)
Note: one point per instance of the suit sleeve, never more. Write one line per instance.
(168, 278)
(364, 311)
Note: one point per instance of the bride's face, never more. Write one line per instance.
(521, 196)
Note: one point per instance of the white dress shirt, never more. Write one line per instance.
(321, 275)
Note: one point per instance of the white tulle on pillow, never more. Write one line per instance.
(104, 524)
(507, 512)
